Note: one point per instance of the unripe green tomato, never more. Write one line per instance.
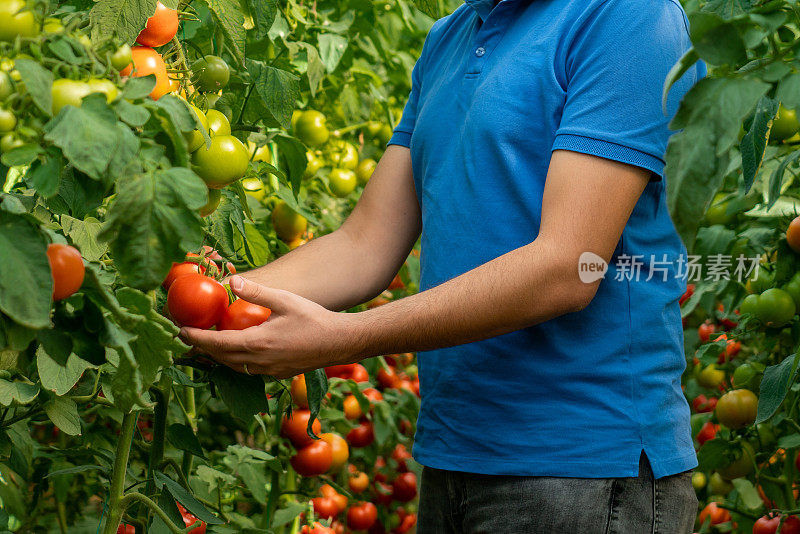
(8, 121)
(793, 288)
(344, 156)
(84, 40)
(106, 87)
(218, 123)
(289, 225)
(747, 377)
(699, 480)
(211, 100)
(52, 25)
(718, 211)
(214, 196)
(195, 139)
(295, 116)
(254, 187)
(342, 182)
(68, 92)
(211, 74)
(711, 377)
(310, 127)
(718, 485)
(775, 307)
(222, 163)
(766, 436)
(6, 85)
(314, 165)
(122, 57)
(9, 142)
(784, 125)
(737, 408)
(16, 20)
(385, 133)
(372, 129)
(742, 466)
(365, 169)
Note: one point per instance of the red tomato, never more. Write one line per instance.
(325, 507)
(373, 394)
(705, 330)
(295, 428)
(383, 493)
(242, 314)
(396, 283)
(66, 268)
(326, 490)
(716, 514)
(318, 528)
(359, 373)
(361, 436)
(404, 487)
(732, 348)
(189, 519)
(362, 516)
(147, 61)
(400, 454)
(727, 323)
(312, 460)
(180, 269)
(707, 431)
(388, 378)
(197, 300)
(701, 404)
(340, 371)
(378, 475)
(687, 295)
(126, 529)
(406, 524)
(160, 28)
(768, 524)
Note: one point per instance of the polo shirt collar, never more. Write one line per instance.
(482, 7)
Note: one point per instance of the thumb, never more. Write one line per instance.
(274, 299)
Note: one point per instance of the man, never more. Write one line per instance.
(532, 143)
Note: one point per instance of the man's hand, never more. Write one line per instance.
(299, 336)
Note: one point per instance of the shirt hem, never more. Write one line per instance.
(609, 150)
(555, 467)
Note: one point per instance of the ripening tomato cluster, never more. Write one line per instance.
(196, 298)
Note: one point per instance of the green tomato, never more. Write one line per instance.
(8, 121)
(68, 93)
(9, 142)
(746, 376)
(254, 187)
(295, 117)
(365, 169)
(211, 100)
(784, 125)
(314, 165)
(214, 196)
(373, 129)
(311, 128)
(106, 87)
(774, 307)
(699, 480)
(222, 163)
(717, 212)
(52, 25)
(6, 85)
(718, 485)
(218, 123)
(342, 182)
(122, 57)
(16, 20)
(343, 155)
(793, 288)
(761, 282)
(711, 377)
(195, 139)
(385, 134)
(742, 465)
(211, 74)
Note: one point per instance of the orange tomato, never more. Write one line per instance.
(329, 492)
(352, 410)
(66, 268)
(299, 391)
(147, 61)
(358, 482)
(793, 234)
(160, 28)
(339, 449)
(715, 514)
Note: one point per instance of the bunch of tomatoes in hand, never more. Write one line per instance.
(197, 298)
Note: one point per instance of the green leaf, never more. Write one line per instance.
(331, 49)
(228, 16)
(132, 114)
(754, 142)
(677, 71)
(63, 412)
(264, 12)
(152, 222)
(716, 41)
(776, 178)
(38, 83)
(748, 493)
(182, 437)
(788, 92)
(286, 515)
(186, 499)
(429, 7)
(138, 87)
(697, 157)
(45, 174)
(17, 392)
(774, 386)
(714, 454)
(84, 235)
(90, 138)
(317, 388)
(123, 19)
(26, 284)
(60, 373)
(23, 155)
(792, 441)
(728, 8)
(279, 89)
(244, 395)
(295, 154)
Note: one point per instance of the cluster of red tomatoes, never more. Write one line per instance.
(197, 298)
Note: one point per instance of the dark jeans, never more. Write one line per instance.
(452, 502)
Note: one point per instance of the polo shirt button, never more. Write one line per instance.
(480, 51)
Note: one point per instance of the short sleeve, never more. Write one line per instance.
(402, 133)
(615, 69)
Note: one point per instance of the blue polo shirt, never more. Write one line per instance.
(496, 90)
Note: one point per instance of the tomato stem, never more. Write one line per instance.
(116, 508)
(162, 396)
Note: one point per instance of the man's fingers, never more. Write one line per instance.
(274, 299)
(213, 342)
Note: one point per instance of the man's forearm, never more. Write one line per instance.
(524, 287)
